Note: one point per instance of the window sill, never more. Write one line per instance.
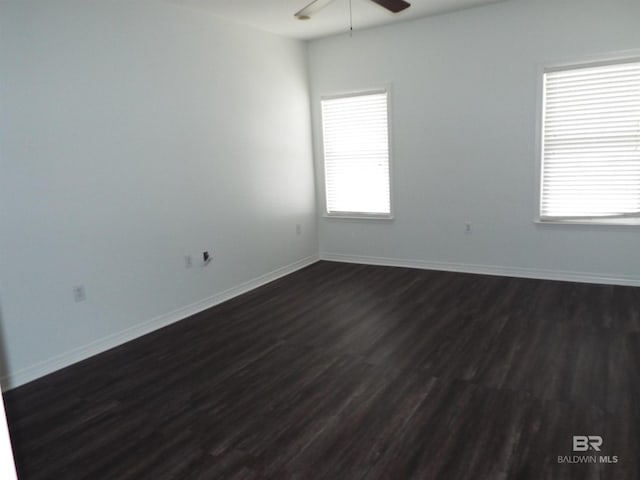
(356, 216)
(606, 222)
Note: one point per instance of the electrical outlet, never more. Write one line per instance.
(79, 293)
(188, 261)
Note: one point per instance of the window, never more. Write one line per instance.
(355, 133)
(591, 144)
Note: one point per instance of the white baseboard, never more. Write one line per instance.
(70, 357)
(487, 269)
(41, 369)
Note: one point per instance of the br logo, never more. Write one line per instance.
(582, 443)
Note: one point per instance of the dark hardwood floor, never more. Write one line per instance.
(346, 371)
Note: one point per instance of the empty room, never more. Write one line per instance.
(330, 239)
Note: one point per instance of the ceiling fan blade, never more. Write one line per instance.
(312, 8)
(393, 5)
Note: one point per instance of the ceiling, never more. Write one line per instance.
(276, 16)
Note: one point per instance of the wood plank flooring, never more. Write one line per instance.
(343, 371)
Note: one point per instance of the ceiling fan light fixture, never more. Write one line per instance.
(311, 9)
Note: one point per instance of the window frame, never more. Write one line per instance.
(628, 56)
(385, 88)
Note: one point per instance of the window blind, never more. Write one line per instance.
(591, 142)
(356, 154)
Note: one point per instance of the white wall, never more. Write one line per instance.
(464, 105)
(131, 134)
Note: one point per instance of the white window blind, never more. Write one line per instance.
(591, 142)
(356, 154)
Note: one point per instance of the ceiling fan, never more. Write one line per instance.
(394, 6)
